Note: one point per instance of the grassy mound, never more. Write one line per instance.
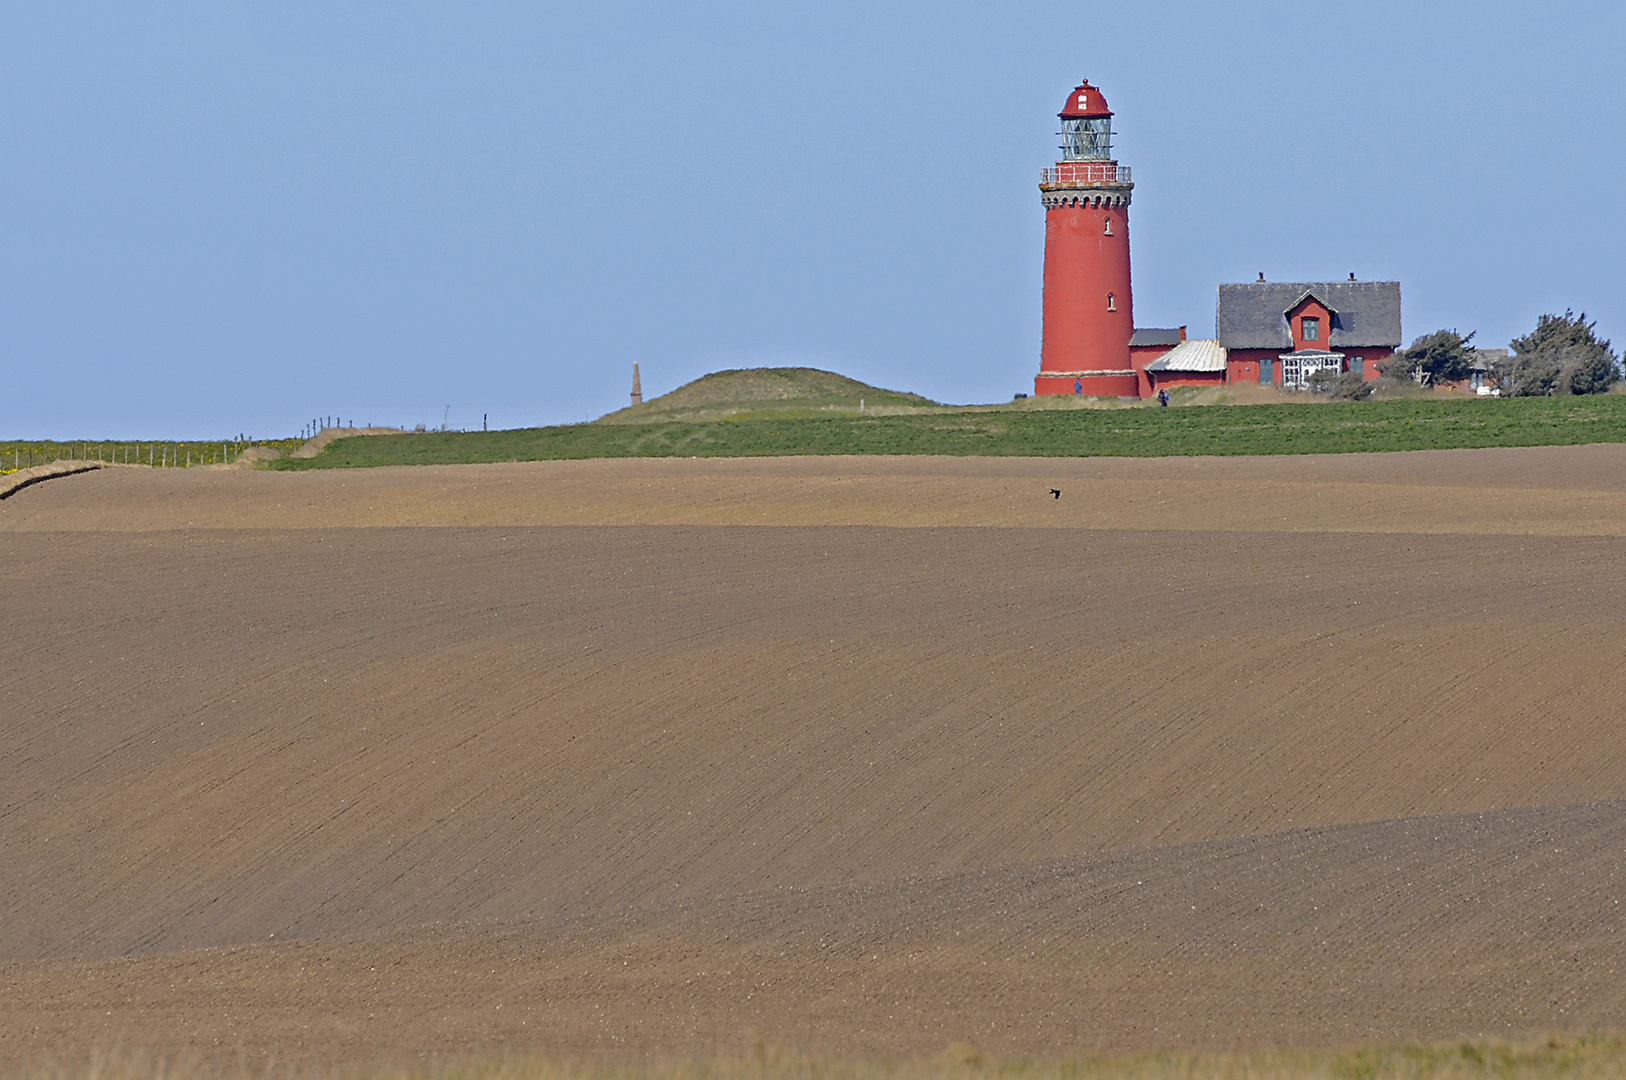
(750, 393)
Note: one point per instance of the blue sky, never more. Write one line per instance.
(231, 218)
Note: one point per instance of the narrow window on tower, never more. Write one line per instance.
(1110, 305)
(1107, 226)
(1312, 329)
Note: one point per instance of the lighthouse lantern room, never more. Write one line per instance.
(1088, 309)
(1086, 127)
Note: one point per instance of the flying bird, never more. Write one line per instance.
(1056, 492)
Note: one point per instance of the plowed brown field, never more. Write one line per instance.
(662, 757)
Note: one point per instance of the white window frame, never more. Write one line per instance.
(1296, 370)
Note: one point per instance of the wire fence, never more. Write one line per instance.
(16, 456)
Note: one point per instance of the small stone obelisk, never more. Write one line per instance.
(637, 387)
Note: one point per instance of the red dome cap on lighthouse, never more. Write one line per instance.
(1084, 102)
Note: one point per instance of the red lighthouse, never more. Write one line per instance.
(1088, 313)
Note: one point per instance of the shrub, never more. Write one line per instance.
(1562, 355)
(1348, 386)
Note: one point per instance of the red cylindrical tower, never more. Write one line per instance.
(1088, 311)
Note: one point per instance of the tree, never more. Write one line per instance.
(1562, 355)
(1440, 357)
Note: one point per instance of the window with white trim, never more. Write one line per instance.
(1296, 370)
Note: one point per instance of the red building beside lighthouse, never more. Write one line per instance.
(1089, 314)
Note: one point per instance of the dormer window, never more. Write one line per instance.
(1310, 329)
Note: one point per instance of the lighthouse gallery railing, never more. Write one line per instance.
(1080, 173)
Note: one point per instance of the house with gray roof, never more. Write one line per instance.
(1282, 332)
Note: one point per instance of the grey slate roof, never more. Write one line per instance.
(1151, 335)
(1253, 315)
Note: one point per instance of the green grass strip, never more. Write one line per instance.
(1143, 432)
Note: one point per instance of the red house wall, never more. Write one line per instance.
(1139, 357)
(1370, 358)
(1242, 365)
(1168, 380)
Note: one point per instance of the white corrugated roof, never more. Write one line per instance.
(1194, 355)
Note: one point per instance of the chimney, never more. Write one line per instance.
(1182, 333)
(637, 387)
